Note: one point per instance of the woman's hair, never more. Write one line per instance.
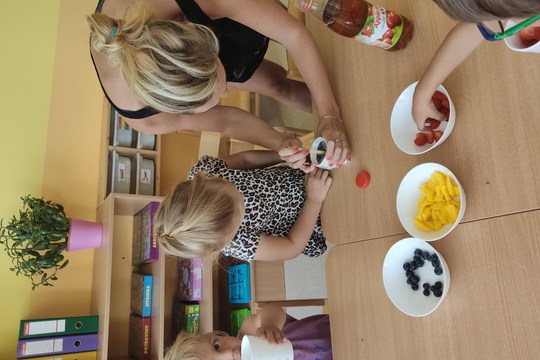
(185, 346)
(192, 219)
(484, 10)
(169, 65)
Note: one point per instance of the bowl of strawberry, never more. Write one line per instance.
(404, 132)
(527, 40)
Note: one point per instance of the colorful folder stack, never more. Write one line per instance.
(68, 338)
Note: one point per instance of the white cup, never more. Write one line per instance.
(515, 43)
(317, 154)
(254, 348)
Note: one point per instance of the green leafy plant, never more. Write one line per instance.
(35, 241)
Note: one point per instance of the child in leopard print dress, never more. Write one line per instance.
(239, 206)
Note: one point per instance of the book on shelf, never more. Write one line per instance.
(33, 328)
(139, 337)
(189, 279)
(141, 294)
(186, 318)
(88, 355)
(28, 348)
(145, 244)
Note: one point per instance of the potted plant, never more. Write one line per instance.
(36, 239)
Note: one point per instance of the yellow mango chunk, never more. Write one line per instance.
(439, 204)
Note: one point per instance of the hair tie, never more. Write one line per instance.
(113, 33)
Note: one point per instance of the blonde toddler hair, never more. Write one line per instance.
(185, 346)
(169, 65)
(192, 219)
(484, 10)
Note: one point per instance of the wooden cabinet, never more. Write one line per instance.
(112, 277)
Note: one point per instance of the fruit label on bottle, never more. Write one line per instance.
(382, 29)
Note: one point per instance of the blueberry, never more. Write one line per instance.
(415, 279)
(414, 287)
(438, 284)
(416, 258)
(418, 252)
(426, 292)
(437, 293)
(419, 263)
(406, 266)
(433, 256)
(408, 273)
(425, 255)
(426, 286)
(436, 263)
(432, 288)
(413, 266)
(438, 271)
(409, 281)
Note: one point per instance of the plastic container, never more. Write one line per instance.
(143, 174)
(119, 174)
(121, 134)
(237, 318)
(146, 141)
(363, 21)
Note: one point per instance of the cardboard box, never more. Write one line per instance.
(186, 317)
(189, 279)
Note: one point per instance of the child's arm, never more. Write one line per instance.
(460, 42)
(266, 323)
(273, 248)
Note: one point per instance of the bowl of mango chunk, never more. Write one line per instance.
(430, 202)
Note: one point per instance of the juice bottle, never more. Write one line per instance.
(367, 23)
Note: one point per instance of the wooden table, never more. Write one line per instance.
(492, 310)
(493, 149)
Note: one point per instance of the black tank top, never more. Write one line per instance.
(241, 50)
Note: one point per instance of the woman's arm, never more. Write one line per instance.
(460, 42)
(270, 19)
(231, 121)
(252, 159)
(273, 248)
(268, 322)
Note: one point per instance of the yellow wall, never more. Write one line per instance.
(50, 127)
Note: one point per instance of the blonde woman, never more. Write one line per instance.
(165, 64)
(310, 337)
(239, 207)
(479, 20)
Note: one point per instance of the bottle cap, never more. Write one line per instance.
(363, 179)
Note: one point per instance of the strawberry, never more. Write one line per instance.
(437, 135)
(430, 137)
(445, 112)
(420, 139)
(437, 103)
(445, 104)
(432, 123)
(438, 95)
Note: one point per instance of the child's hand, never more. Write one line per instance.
(337, 142)
(423, 108)
(317, 184)
(271, 333)
(295, 155)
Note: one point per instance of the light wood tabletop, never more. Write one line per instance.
(493, 149)
(491, 311)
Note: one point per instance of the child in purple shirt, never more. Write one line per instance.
(310, 337)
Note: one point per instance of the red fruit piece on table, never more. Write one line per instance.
(420, 139)
(437, 135)
(432, 123)
(430, 137)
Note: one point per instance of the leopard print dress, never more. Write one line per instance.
(273, 200)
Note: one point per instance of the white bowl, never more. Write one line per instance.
(409, 193)
(403, 127)
(409, 301)
(515, 43)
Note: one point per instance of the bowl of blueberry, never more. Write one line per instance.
(415, 276)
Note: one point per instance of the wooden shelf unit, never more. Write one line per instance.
(112, 277)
